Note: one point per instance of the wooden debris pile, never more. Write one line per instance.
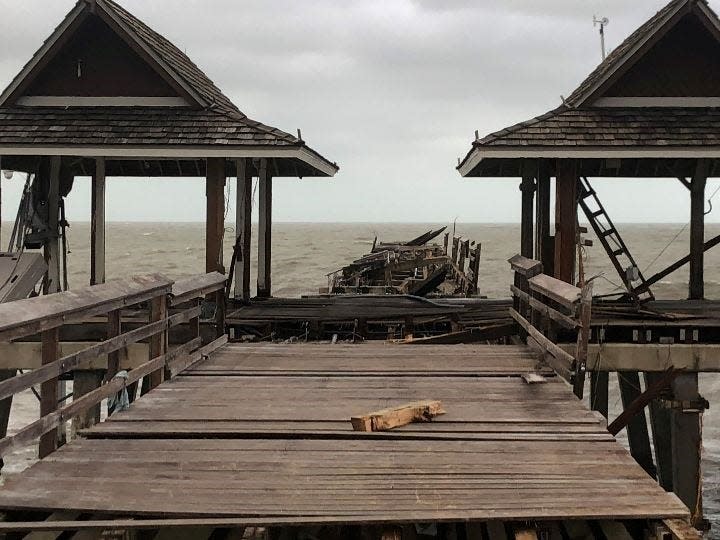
(417, 268)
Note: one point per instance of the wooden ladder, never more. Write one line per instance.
(611, 240)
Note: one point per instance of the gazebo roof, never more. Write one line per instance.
(178, 114)
(655, 96)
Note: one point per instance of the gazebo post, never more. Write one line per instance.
(565, 219)
(527, 187)
(686, 439)
(215, 215)
(543, 246)
(243, 228)
(97, 224)
(264, 284)
(697, 230)
(52, 247)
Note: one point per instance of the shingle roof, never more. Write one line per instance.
(221, 123)
(618, 55)
(615, 126)
(574, 126)
(133, 125)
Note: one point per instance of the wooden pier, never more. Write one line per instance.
(221, 437)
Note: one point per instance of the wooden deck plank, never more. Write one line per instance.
(262, 433)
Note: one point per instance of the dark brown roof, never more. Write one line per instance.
(133, 125)
(608, 128)
(613, 126)
(219, 123)
(574, 126)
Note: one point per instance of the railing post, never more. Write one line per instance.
(48, 390)
(220, 313)
(158, 312)
(114, 329)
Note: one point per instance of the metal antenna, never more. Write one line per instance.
(603, 22)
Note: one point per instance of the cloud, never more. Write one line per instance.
(391, 89)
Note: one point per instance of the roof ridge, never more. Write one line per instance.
(625, 47)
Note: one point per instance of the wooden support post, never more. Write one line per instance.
(52, 259)
(660, 422)
(158, 342)
(243, 228)
(527, 187)
(565, 219)
(637, 429)
(455, 249)
(543, 244)
(114, 329)
(97, 224)
(5, 406)
(215, 216)
(697, 230)
(52, 248)
(461, 256)
(220, 313)
(446, 240)
(264, 284)
(84, 382)
(1, 181)
(599, 392)
(48, 390)
(686, 446)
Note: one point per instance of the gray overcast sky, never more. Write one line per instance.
(390, 89)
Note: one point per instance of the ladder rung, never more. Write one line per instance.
(598, 213)
(618, 252)
(608, 232)
(588, 193)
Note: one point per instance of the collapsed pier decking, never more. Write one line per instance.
(262, 433)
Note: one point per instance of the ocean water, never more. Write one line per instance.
(304, 253)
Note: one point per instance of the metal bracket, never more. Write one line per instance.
(699, 405)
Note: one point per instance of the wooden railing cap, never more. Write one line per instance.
(525, 267)
(196, 287)
(32, 315)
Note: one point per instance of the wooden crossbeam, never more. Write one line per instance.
(639, 403)
(385, 419)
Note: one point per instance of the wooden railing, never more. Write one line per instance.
(544, 307)
(170, 305)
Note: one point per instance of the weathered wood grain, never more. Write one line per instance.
(392, 417)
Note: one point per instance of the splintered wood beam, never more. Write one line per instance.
(557, 290)
(385, 419)
(682, 530)
(533, 378)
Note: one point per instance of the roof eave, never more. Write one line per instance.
(479, 154)
(311, 158)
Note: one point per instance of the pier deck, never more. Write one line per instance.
(261, 434)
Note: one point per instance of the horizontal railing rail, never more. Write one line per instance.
(542, 305)
(47, 314)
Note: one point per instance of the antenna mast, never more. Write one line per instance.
(603, 22)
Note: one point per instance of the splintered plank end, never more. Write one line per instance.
(392, 417)
(533, 378)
